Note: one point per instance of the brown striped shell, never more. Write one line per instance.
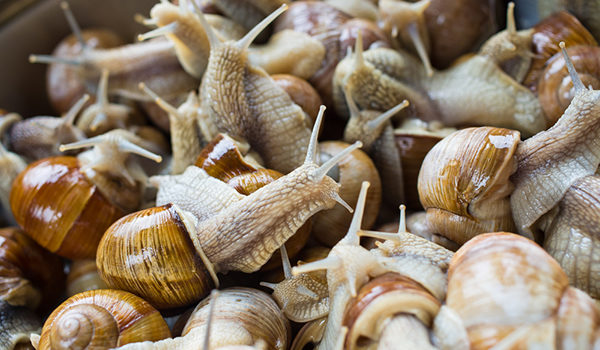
(150, 253)
(57, 206)
(103, 318)
(463, 183)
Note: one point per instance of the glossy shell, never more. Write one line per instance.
(60, 208)
(464, 183)
(83, 276)
(102, 319)
(150, 253)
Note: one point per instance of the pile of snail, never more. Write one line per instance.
(183, 199)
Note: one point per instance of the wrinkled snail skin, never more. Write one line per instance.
(569, 150)
(249, 104)
(29, 275)
(572, 235)
(17, 324)
(464, 183)
(102, 318)
(494, 270)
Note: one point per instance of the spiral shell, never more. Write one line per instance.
(464, 183)
(57, 206)
(150, 253)
(102, 319)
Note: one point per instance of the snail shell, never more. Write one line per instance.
(150, 252)
(555, 87)
(83, 276)
(558, 27)
(103, 318)
(29, 275)
(464, 182)
(71, 227)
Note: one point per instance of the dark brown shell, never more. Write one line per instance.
(57, 206)
(24, 265)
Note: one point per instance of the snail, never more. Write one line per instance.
(504, 290)
(263, 221)
(464, 183)
(30, 276)
(249, 104)
(381, 78)
(330, 225)
(585, 10)
(234, 318)
(357, 9)
(18, 324)
(11, 164)
(376, 132)
(97, 187)
(63, 85)
(153, 62)
(301, 92)
(350, 266)
(103, 318)
(561, 26)
(39, 137)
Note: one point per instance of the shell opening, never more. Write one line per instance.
(572, 72)
(311, 153)
(73, 24)
(160, 31)
(320, 172)
(245, 42)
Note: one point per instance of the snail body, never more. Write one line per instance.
(247, 106)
